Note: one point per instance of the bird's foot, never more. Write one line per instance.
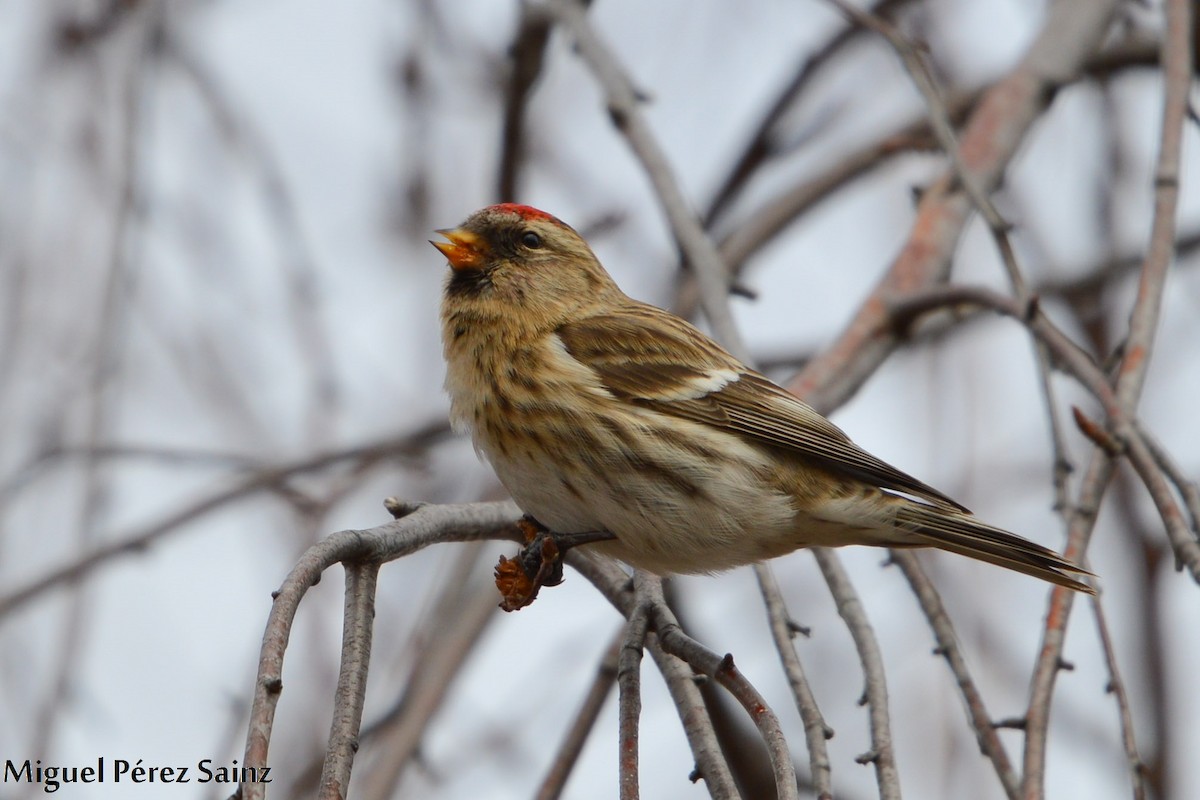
(538, 564)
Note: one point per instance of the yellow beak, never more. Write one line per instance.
(465, 250)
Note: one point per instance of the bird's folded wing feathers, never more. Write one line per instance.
(646, 356)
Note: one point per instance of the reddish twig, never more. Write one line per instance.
(614, 585)
(711, 765)
(993, 133)
(675, 641)
(1144, 320)
(941, 124)
(1080, 521)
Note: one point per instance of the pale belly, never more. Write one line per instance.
(699, 500)
(681, 516)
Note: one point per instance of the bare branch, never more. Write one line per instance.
(816, 731)
(426, 525)
(875, 694)
(770, 217)
(991, 137)
(459, 615)
(1144, 320)
(585, 719)
(623, 106)
(675, 641)
(1183, 540)
(1080, 523)
(947, 647)
(629, 688)
(1116, 687)
(1187, 487)
(142, 538)
(357, 625)
(527, 55)
(1067, 355)
(151, 396)
(711, 766)
(764, 144)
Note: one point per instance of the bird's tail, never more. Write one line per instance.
(961, 533)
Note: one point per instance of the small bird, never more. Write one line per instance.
(602, 413)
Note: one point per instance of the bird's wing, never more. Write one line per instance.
(652, 358)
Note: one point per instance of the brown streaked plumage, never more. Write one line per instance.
(599, 412)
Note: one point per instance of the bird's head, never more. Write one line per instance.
(518, 256)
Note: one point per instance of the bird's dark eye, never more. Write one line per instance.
(531, 240)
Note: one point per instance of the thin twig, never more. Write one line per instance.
(1187, 487)
(764, 144)
(947, 647)
(875, 695)
(357, 625)
(768, 218)
(926, 84)
(1086, 286)
(1147, 615)
(624, 108)
(1068, 355)
(527, 54)
(1116, 686)
(1143, 324)
(1091, 282)
(771, 217)
(424, 526)
(728, 675)
(1124, 428)
(268, 478)
(459, 614)
(990, 139)
(1144, 320)
(711, 765)
(615, 586)
(942, 126)
(816, 730)
(1179, 534)
(1049, 661)
(585, 720)
(676, 641)
(629, 688)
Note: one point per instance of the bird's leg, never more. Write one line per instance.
(540, 562)
(531, 528)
